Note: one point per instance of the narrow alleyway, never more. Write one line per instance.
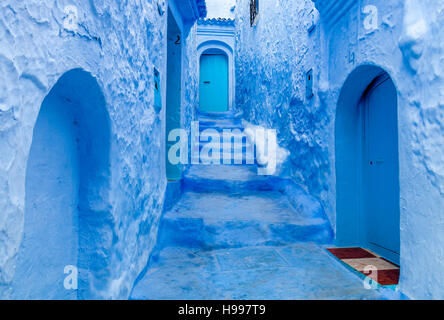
(235, 235)
(338, 180)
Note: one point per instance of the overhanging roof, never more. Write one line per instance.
(191, 10)
(216, 22)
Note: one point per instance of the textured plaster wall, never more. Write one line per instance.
(408, 43)
(119, 43)
(190, 80)
(421, 81)
(272, 59)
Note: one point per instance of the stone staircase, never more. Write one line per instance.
(232, 207)
(232, 145)
(225, 208)
(228, 206)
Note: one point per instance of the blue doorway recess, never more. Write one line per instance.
(380, 168)
(213, 82)
(67, 204)
(367, 163)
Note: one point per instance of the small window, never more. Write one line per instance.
(309, 84)
(312, 21)
(157, 93)
(254, 11)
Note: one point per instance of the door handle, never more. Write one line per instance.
(378, 161)
(207, 82)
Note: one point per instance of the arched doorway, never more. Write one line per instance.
(367, 163)
(67, 183)
(213, 81)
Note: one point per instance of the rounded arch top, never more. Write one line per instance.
(215, 44)
(220, 47)
(79, 85)
(357, 82)
(366, 145)
(212, 50)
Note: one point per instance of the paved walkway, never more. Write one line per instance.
(236, 235)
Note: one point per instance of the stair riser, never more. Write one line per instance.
(243, 149)
(233, 160)
(204, 186)
(216, 123)
(220, 128)
(244, 163)
(234, 156)
(193, 233)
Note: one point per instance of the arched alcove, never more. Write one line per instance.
(367, 163)
(67, 211)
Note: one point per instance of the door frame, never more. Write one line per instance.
(215, 45)
(216, 52)
(349, 153)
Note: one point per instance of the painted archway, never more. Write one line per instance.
(67, 210)
(367, 163)
(224, 51)
(213, 81)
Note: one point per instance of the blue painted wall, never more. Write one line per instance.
(345, 43)
(272, 59)
(118, 45)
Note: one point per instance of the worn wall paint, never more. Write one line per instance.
(401, 37)
(272, 60)
(119, 43)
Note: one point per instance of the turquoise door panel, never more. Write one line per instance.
(213, 83)
(381, 170)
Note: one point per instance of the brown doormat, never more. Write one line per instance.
(368, 264)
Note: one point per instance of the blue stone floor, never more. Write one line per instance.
(299, 271)
(235, 235)
(217, 245)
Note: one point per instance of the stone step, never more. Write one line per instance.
(230, 154)
(235, 156)
(225, 178)
(235, 137)
(296, 272)
(237, 162)
(244, 151)
(217, 220)
(237, 148)
(208, 120)
(220, 127)
(219, 115)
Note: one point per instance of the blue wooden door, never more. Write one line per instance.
(213, 83)
(381, 170)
